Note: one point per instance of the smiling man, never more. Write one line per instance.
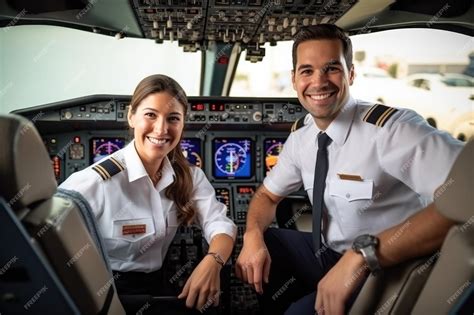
(368, 169)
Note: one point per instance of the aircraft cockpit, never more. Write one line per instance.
(67, 81)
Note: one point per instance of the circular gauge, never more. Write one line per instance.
(191, 149)
(104, 150)
(192, 157)
(272, 153)
(195, 159)
(76, 151)
(230, 158)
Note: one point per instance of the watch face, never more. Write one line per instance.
(365, 240)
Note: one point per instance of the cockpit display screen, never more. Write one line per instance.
(103, 147)
(233, 158)
(272, 148)
(192, 150)
(223, 195)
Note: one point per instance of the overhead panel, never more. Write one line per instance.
(197, 23)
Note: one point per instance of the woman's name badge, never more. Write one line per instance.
(134, 229)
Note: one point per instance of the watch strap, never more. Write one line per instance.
(371, 258)
(217, 257)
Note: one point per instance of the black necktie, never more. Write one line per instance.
(319, 184)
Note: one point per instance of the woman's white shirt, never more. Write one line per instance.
(137, 221)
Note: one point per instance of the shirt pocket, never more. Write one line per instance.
(133, 230)
(351, 190)
(348, 198)
(129, 238)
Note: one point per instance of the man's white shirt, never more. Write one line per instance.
(397, 168)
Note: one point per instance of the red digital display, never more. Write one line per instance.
(197, 107)
(246, 190)
(217, 107)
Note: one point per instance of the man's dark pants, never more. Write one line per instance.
(294, 273)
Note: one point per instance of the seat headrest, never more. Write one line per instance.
(26, 172)
(455, 198)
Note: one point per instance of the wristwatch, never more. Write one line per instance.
(366, 245)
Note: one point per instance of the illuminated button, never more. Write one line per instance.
(93, 109)
(100, 110)
(120, 115)
(82, 108)
(77, 139)
(106, 110)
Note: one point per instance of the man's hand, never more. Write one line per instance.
(254, 261)
(203, 286)
(339, 283)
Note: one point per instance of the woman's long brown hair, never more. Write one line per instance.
(181, 189)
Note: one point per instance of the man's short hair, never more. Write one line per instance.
(323, 31)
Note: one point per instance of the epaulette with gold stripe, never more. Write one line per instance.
(298, 124)
(108, 168)
(379, 114)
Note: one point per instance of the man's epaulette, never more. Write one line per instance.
(108, 168)
(379, 114)
(298, 124)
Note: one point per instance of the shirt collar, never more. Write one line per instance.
(338, 129)
(167, 175)
(136, 170)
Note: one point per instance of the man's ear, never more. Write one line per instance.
(293, 79)
(129, 117)
(351, 75)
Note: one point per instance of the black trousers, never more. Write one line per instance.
(294, 273)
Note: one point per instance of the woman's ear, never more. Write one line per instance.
(130, 117)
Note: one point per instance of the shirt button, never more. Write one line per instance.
(348, 196)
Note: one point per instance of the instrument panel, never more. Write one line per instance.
(235, 141)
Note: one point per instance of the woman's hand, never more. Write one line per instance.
(202, 288)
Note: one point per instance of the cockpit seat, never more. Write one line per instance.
(441, 283)
(51, 264)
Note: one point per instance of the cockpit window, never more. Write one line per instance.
(378, 56)
(45, 64)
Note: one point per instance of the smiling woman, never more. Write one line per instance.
(158, 121)
(160, 190)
